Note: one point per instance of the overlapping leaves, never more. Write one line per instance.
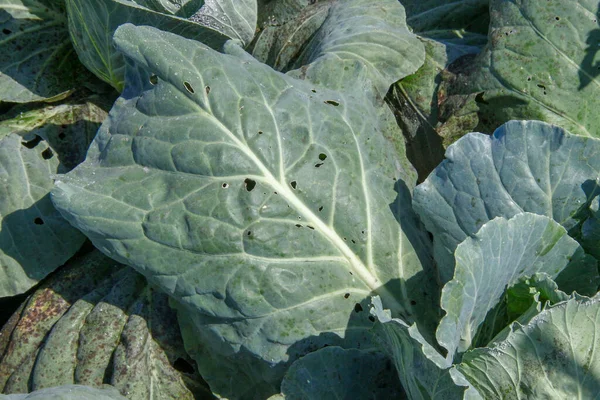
(97, 322)
(540, 63)
(241, 222)
(38, 62)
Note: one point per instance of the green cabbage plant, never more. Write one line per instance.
(299, 199)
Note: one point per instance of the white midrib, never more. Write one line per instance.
(281, 187)
(358, 268)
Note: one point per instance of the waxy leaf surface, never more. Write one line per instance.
(34, 238)
(92, 25)
(526, 166)
(371, 33)
(268, 207)
(502, 252)
(552, 356)
(38, 61)
(540, 62)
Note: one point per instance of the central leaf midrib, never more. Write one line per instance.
(357, 266)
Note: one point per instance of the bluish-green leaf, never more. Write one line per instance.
(34, 237)
(526, 166)
(269, 207)
(541, 62)
(38, 62)
(371, 33)
(551, 357)
(92, 24)
(234, 18)
(425, 374)
(336, 373)
(495, 258)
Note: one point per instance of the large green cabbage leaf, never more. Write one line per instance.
(373, 33)
(270, 223)
(234, 18)
(325, 39)
(336, 373)
(34, 238)
(551, 357)
(423, 371)
(496, 257)
(526, 166)
(36, 143)
(92, 24)
(331, 44)
(540, 62)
